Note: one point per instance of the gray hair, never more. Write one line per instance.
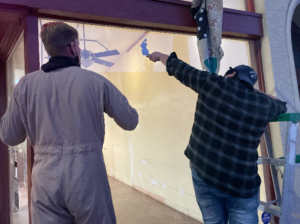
(56, 36)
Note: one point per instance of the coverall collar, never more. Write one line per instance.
(59, 62)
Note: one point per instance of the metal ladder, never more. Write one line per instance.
(283, 208)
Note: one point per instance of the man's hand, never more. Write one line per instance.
(157, 56)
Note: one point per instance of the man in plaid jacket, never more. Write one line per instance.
(230, 119)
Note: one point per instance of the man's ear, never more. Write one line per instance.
(230, 75)
(72, 49)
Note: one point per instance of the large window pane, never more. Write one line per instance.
(151, 158)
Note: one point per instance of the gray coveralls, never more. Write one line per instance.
(62, 114)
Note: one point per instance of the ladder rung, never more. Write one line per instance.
(269, 208)
(272, 161)
(294, 117)
(296, 215)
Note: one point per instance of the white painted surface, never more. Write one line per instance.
(182, 191)
(154, 182)
(131, 159)
(145, 162)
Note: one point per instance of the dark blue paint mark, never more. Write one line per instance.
(102, 62)
(106, 54)
(145, 51)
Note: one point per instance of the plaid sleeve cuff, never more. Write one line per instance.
(283, 107)
(279, 107)
(170, 63)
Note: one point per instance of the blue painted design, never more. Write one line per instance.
(265, 218)
(105, 53)
(145, 51)
(88, 57)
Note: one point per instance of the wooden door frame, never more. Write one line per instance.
(4, 158)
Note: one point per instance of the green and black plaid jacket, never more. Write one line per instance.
(230, 119)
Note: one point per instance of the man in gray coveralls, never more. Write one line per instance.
(61, 110)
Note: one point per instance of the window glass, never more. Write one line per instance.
(151, 157)
(15, 70)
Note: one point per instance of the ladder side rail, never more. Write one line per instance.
(269, 208)
(273, 168)
(270, 161)
(289, 175)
